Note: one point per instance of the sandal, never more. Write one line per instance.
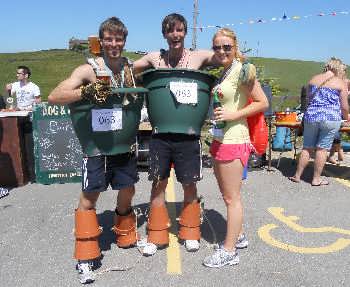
(332, 160)
(292, 178)
(322, 182)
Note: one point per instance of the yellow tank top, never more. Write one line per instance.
(235, 132)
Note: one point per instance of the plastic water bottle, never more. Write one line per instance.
(217, 104)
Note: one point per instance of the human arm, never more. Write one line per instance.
(69, 91)
(259, 104)
(37, 94)
(203, 58)
(206, 58)
(37, 100)
(144, 63)
(344, 106)
(8, 88)
(251, 88)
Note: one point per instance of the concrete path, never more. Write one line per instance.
(299, 235)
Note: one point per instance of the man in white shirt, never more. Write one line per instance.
(24, 91)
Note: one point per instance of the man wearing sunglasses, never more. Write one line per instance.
(25, 92)
(183, 150)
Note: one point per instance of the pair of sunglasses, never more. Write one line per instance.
(226, 48)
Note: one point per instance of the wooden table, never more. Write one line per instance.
(294, 126)
(13, 155)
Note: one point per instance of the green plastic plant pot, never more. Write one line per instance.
(166, 114)
(109, 142)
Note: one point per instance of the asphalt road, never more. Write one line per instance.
(299, 235)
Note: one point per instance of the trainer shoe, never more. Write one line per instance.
(4, 192)
(220, 258)
(242, 241)
(149, 249)
(192, 245)
(86, 275)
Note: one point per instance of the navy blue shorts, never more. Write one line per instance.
(184, 151)
(119, 171)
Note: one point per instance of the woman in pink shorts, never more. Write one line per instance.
(231, 146)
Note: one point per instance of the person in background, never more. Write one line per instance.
(336, 146)
(25, 92)
(2, 102)
(181, 149)
(231, 146)
(100, 171)
(327, 106)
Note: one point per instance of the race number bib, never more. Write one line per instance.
(185, 93)
(104, 120)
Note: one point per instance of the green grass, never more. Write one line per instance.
(52, 66)
(291, 75)
(48, 67)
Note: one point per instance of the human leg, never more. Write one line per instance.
(302, 163)
(328, 130)
(87, 232)
(87, 229)
(225, 152)
(331, 156)
(188, 169)
(336, 147)
(340, 154)
(189, 219)
(229, 177)
(310, 135)
(231, 180)
(122, 174)
(125, 226)
(320, 160)
(158, 219)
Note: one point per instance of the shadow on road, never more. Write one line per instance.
(338, 171)
(288, 167)
(213, 227)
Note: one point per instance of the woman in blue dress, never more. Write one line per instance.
(327, 106)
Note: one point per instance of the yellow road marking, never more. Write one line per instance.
(264, 233)
(277, 212)
(343, 181)
(173, 251)
(340, 180)
(290, 221)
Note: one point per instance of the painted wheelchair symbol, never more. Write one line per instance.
(264, 233)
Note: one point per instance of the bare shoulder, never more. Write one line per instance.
(83, 74)
(146, 62)
(202, 58)
(149, 58)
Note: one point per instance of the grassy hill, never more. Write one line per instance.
(52, 66)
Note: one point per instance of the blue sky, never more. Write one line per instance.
(36, 25)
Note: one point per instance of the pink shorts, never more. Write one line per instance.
(230, 152)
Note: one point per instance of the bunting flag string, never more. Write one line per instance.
(275, 19)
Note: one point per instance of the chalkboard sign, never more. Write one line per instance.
(57, 151)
